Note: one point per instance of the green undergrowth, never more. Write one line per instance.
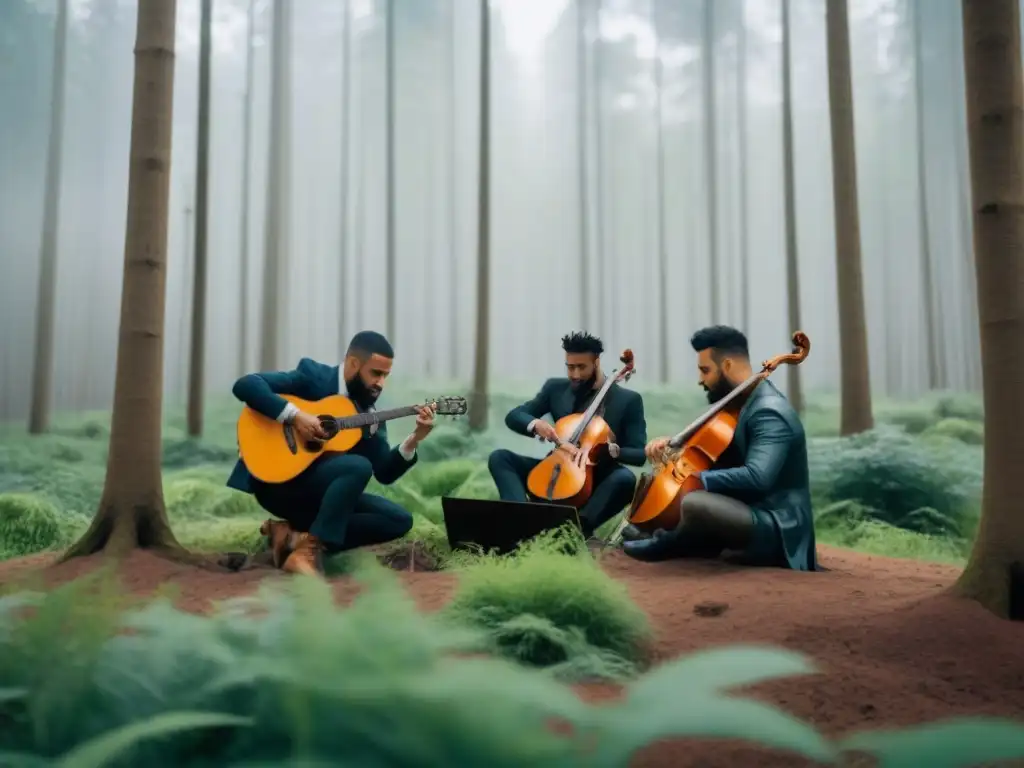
(286, 677)
(913, 483)
(551, 605)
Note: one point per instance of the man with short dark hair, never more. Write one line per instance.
(325, 508)
(756, 500)
(559, 397)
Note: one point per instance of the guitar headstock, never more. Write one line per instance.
(628, 367)
(448, 406)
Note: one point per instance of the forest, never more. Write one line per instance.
(195, 190)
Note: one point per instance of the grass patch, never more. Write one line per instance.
(548, 607)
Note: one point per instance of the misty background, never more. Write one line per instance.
(912, 207)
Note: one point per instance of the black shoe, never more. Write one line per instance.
(661, 546)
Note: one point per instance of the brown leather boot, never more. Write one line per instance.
(306, 557)
(281, 538)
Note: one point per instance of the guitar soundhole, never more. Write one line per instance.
(314, 446)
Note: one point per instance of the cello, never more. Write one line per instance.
(566, 479)
(657, 502)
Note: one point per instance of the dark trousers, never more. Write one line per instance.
(713, 523)
(613, 486)
(330, 502)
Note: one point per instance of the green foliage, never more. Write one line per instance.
(964, 430)
(287, 678)
(29, 524)
(920, 486)
(592, 614)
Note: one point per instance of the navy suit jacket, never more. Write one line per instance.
(311, 380)
(623, 411)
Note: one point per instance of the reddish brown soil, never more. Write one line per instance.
(892, 646)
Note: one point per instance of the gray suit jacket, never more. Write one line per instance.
(772, 474)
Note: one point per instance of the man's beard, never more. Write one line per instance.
(721, 388)
(583, 389)
(363, 395)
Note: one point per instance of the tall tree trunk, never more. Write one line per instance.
(995, 124)
(42, 371)
(278, 183)
(659, 133)
(359, 205)
(711, 155)
(963, 195)
(601, 233)
(581, 154)
(854, 374)
(741, 126)
(346, 110)
(197, 350)
(131, 511)
(453, 230)
(793, 381)
(478, 410)
(243, 305)
(389, 76)
(936, 378)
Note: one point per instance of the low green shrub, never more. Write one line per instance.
(573, 606)
(29, 524)
(288, 678)
(896, 477)
(963, 430)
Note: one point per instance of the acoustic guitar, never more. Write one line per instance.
(273, 453)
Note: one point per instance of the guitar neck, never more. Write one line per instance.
(375, 417)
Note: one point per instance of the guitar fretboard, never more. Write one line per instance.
(362, 419)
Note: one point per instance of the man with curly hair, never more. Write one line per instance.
(573, 393)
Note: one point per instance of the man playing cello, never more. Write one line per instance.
(559, 397)
(756, 500)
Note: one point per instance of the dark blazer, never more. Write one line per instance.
(311, 380)
(623, 410)
(772, 474)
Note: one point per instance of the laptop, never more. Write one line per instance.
(501, 525)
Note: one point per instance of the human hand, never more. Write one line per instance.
(308, 427)
(655, 448)
(545, 431)
(569, 448)
(424, 422)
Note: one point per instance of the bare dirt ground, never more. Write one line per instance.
(893, 647)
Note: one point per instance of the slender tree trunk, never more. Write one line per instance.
(243, 305)
(581, 144)
(346, 110)
(793, 380)
(278, 182)
(855, 376)
(971, 354)
(659, 133)
(933, 350)
(42, 371)
(995, 123)
(359, 205)
(741, 120)
(131, 511)
(453, 230)
(711, 155)
(478, 410)
(197, 349)
(601, 231)
(389, 76)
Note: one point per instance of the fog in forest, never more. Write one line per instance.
(914, 207)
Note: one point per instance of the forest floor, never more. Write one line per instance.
(894, 648)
